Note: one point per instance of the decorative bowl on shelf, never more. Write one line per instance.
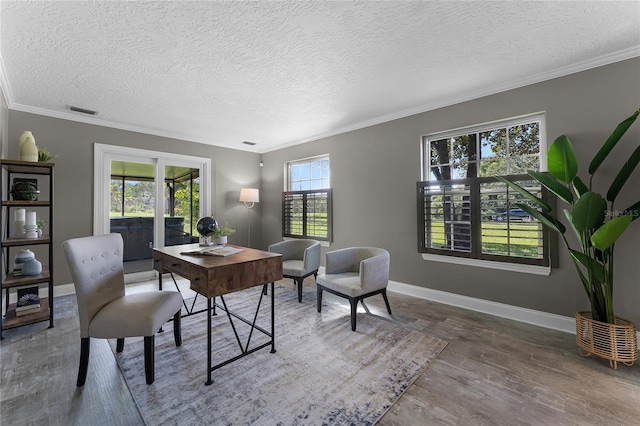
(32, 267)
(24, 191)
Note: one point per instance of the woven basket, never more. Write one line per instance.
(616, 342)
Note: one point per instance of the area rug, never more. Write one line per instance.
(321, 374)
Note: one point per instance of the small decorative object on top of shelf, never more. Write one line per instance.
(45, 156)
(27, 147)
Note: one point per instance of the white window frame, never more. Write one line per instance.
(425, 175)
(484, 127)
(287, 184)
(104, 154)
(288, 164)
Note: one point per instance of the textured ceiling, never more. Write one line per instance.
(281, 73)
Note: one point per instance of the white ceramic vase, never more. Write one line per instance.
(21, 258)
(27, 147)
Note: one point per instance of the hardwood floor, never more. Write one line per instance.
(493, 372)
(38, 374)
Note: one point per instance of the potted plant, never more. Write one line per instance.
(220, 233)
(41, 224)
(45, 156)
(597, 226)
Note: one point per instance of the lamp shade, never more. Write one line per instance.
(249, 195)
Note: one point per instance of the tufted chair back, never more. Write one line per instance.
(97, 270)
(105, 310)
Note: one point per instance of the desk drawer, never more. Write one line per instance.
(158, 262)
(165, 264)
(175, 266)
(198, 281)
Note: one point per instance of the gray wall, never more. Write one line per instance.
(73, 184)
(374, 172)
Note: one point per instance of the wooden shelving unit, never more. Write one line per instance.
(8, 281)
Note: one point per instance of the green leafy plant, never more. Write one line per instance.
(223, 230)
(595, 222)
(45, 156)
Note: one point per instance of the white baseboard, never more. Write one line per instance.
(67, 289)
(137, 277)
(63, 290)
(529, 316)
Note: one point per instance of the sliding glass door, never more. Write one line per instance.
(152, 199)
(132, 211)
(181, 204)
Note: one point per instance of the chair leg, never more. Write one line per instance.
(319, 298)
(149, 359)
(84, 360)
(386, 301)
(264, 290)
(298, 282)
(177, 328)
(120, 345)
(354, 311)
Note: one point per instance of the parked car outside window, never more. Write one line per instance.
(512, 214)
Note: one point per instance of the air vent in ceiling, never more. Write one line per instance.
(249, 143)
(82, 110)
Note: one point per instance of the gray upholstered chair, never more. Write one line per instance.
(300, 259)
(355, 273)
(104, 309)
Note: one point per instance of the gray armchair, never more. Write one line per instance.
(105, 311)
(300, 259)
(355, 273)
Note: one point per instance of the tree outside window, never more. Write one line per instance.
(468, 213)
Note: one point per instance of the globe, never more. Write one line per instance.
(206, 225)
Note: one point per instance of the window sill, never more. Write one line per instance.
(503, 266)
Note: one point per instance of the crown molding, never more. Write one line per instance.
(81, 118)
(515, 84)
(549, 75)
(4, 85)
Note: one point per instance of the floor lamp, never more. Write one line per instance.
(249, 196)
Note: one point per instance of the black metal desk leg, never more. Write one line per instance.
(209, 381)
(273, 321)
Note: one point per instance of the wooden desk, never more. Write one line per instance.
(213, 276)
